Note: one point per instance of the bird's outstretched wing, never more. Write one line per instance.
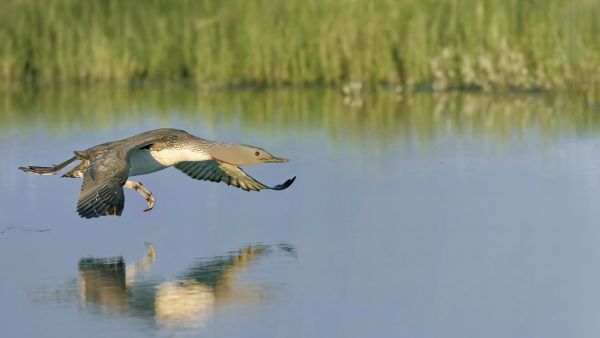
(213, 170)
(102, 189)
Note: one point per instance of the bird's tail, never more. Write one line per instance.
(48, 170)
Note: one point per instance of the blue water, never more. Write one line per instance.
(450, 226)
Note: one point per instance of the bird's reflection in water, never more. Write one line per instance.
(187, 301)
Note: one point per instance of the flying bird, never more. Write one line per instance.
(106, 168)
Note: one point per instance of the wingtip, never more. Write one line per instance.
(285, 184)
(88, 213)
(96, 215)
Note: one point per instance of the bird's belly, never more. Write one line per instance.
(145, 161)
(142, 162)
(172, 156)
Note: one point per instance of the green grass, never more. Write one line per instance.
(442, 44)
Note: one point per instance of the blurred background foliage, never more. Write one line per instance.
(405, 44)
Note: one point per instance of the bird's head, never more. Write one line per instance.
(241, 154)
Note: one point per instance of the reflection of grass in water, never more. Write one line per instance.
(487, 43)
(383, 116)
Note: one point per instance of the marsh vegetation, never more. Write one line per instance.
(489, 44)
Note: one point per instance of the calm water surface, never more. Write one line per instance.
(416, 216)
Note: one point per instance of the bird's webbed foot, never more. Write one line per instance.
(142, 190)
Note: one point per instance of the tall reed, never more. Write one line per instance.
(486, 44)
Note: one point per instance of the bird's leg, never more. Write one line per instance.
(49, 170)
(137, 186)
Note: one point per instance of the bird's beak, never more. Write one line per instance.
(276, 160)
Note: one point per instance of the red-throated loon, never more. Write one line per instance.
(106, 168)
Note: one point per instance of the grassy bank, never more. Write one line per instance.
(488, 44)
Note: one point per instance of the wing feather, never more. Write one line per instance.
(102, 189)
(216, 171)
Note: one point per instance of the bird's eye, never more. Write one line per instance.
(257, 153)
